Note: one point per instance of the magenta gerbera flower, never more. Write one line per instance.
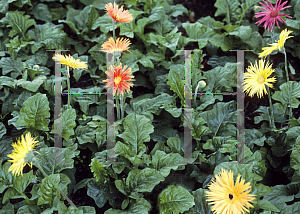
(272, 14)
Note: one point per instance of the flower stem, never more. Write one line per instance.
(118, 106)
(114, 36)
(44, 173)
(122, 105)
(272, 121)
(68, 82)
(288, 81)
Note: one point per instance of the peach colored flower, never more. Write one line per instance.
(118, 79)
(120, 45)
(118, 14)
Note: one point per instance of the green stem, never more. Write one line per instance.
(68, 82)
(118, 106)
(122, 105)
(44, 173)
(272, 122)
(288, 81)
(114, 36)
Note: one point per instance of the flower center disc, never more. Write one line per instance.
(230, 196)
(273, 13)
(117, 80)
(260, 79)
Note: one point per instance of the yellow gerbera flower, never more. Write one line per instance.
(69, 61)
(120, 45)
(227, 197)
(267, 51)
(256, 78)
(118, 14)
(22, 148)
(284, 35)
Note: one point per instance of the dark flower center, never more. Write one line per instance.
(230, 196)
(273, 13)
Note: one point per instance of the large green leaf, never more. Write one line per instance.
(220, 117)
(105, 23)
(175, 80)
(163, 162)
(49, 35)
(5, 146)
(16, 184)
(55, 159)
(47, 190)
(283, 95)
(295, 160)
(201, 205)
(139, 206)
(8, 64)
(67, 124)
(143, 180)
(31, 85)
(18, 22)
(34, 112)
(137, 131)
(41, 12)
(229, 8)
(175, 199)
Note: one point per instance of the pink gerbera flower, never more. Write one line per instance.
(272, 14)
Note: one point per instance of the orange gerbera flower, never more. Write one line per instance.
(120, 45)
(118, 79)
(118, 14)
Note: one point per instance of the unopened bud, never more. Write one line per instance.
(201, 84)
(36, 67)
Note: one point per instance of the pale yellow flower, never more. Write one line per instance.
(227, 197)
(69, 61)
(21, 150)
(256, 78)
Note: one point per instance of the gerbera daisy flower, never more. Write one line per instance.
(118, 14)
(118, 79)
(120, 45)
(69, 61)
(256, 78)
(284, 35)
(22, 150)
(272, 14)
(227, 197)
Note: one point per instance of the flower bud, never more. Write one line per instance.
(201, 84)
(36, 67)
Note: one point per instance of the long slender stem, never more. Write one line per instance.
(288, 81)
(122, 105)
(114, 36)
(68, 82)
(54, 184)
(272, 122)
(118, 106)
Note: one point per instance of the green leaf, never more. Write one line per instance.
(283, 95)
(56, 159)
(66, 123)
(278, 109)
(143, 180)
(229, 8)
(175, 199)
(101, 193)
(243, 32)
(163, 162)
(177, 10)
(32, 86)
(221, 78)
(7, 209)
(70, 20)
(85, 134)
(50, 35)
(47, 190)
(34, 112)
(201, 205)
(18, 22)
(41, 12)
(253, 136)
(219, 117)
(139, 28)
(105, 24)
(97, 169)
(8, 64)
(137, 131)
(175, 77)
(126, 29)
